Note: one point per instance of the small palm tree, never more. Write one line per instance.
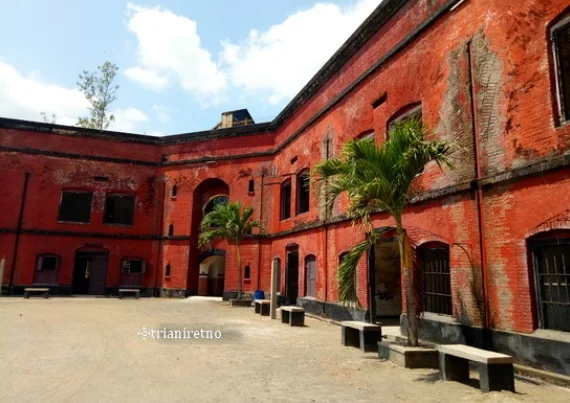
(378, 179)
(229, 222)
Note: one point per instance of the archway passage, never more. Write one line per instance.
(90, 272)
(212, 274)
(207, 195)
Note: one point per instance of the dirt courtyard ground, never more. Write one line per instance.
(89, 350)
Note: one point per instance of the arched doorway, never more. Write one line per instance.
(212, 273)
(207, 195)
(311, 276)
(384, 260)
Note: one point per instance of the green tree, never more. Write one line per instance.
(378, 178)
(100, 91)
(231, 222)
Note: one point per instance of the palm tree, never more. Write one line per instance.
(378, 178)
(229, 222)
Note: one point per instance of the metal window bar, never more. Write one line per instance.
(437, 284)
(552, 274)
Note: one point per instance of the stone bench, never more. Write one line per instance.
(262, 306)
(135, 292)
(43, 291)
(495, 369)
(293, 315)
(361, 334)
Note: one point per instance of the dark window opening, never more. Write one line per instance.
(380, 101)
(303, 192)
(132, 266)
(214, 202)
(405, 115)
(47, 263)
(551, 260)
(251, 187)
(247, 272)
(174, 191)
(367, 135)
(171, 230)
(75, 207)
(286, 200)
(561, 42)
(436, 277)
(293, 160)
(167, 270)
(341, 257)
(101, 179)
(119, 209)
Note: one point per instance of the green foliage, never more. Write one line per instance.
(376, 178)
(229, 222)
(100, 91)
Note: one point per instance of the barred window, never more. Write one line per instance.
(436, 279)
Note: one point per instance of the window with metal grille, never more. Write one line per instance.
(286, 200)
(75, 206)
(436, 279)
(119, 209)
(47, 267)
(303, 192)
(561, 46)
(552, 283)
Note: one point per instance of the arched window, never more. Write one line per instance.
(407, 113)
(171, 229)
(247, 272)
(174, 191)
(47, 268)
(367, 135)
(311, 276)
(167, 271)
(436, 278)
(341, 257)
(286, 200)
(214, 201)
(560, 37)
(251, 187)
(303, 191)
(551, 268)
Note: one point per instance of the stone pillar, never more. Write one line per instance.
(274, 288)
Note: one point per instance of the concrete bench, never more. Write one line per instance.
(293, 315)
(43, 291)
(495, 369)
(361, 334)
(262, 306)
(135, 292)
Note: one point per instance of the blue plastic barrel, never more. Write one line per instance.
(259, 294)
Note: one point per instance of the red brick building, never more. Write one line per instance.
(88, 212)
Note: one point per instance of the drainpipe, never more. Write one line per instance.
(18, 232)
(259, 238)
(479, 198)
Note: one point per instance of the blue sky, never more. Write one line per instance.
(181, 63)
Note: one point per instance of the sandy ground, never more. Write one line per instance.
(88, 349)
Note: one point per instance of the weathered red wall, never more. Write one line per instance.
(500, 48)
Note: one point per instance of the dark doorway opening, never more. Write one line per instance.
(90, 273)
(386, 278)
(292, 277)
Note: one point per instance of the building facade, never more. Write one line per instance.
(87, 212)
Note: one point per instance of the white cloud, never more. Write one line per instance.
(126, 119)
(25, 97)
(148, 78)
(282, 59)
(162, 112)
(169, 48)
